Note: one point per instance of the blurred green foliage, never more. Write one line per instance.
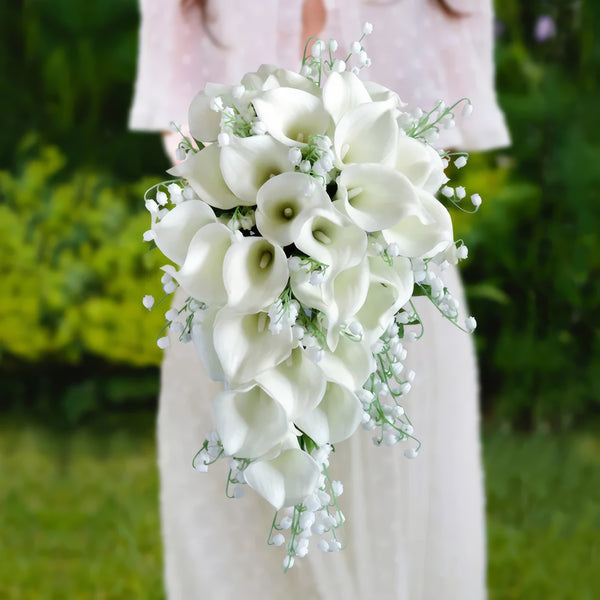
(72, 178)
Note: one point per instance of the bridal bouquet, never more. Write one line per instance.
(303, 222)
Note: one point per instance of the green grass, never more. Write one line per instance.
(79, 514)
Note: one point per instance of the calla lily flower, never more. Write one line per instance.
(332, 239)
(419, 238)
(205, 123)
(175, 230)
(246, 347)
(291, 116)
(286, 480)
(284, 203)
(202, 338)
(350, 364)
(343, 92)
(249, 422)
(247, 163)
(367, 134)
(297, 383)
(376, 197)
(336, 417)
(379, 93)
(268, 77)
(203, 172)
(255, 272)
(420, 163)
(201, 275)
(391, 287)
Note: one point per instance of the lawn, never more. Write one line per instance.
(79, 514)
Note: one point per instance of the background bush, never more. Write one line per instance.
(74, 336)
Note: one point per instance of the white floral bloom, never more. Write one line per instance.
(249, 422)
(174, 232)
(255, 272)
(246, 347)
(285, 480)
(202, 338)
(283, 206)
(350, 364)
(247, 163)
(420, 163)
(202, 171)
(343, 92)
(291, 116)
(204, 122)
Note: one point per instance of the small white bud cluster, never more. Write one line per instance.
(211, 450)
(282, 314)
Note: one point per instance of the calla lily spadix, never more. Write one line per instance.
(286, 480)
(343, 92)
(390, 288)
(255, 272)
(420, 163)
(376, 197)
(418, 239)
(335, 418)
(203, 172)
(246, 347)
(249, 422)
(284, 204)
(291, 115)
(205, 123)
(201, 275)
(332, 239)
(175, 230)
(367, 134)
(297, 383)
(247, 163)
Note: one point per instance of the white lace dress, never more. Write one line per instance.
(415, 529)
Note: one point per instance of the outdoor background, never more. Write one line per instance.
(78, 362)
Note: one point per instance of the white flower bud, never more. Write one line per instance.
(470, 324)
(278, 539)
(367, 28)
(476, 200)
(163, 342)
(355, 47)
(460, 162)
(148, 301)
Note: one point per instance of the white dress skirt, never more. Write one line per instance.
(415, 528)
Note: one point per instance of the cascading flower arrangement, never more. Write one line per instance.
(303, 221)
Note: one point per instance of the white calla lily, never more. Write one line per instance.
(336, 417)
(350, 364)
(391, 287)
(379, 93)
(420, 163)
(249, 422)
(201, 275)
(367, 134)
(205, 123)
(247, 163)
(269, 77)
(332, 239)
(174, 232)
(203, 173)
(246, 347)
(286, 480)
(343, 92)
(291, 115)
(297, 383)
(376, 197)
(284, 203)
(418, 238)
(255, 272)
(202, 338)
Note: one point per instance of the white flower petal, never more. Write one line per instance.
(247, 163)
(297, 383)
(380, 93)
(420, 163)
(201, 275)
(249, 422)
(202, 170)
(246, 347)
(368, 133)
(202, 338)
(291, 115)
(335, 419)
(350, 364)
(174, 232)
(417, 239)
(342, 92)
(284, 204)
(255, 272)
(376, 197)
(285, 480)
(205, 123)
